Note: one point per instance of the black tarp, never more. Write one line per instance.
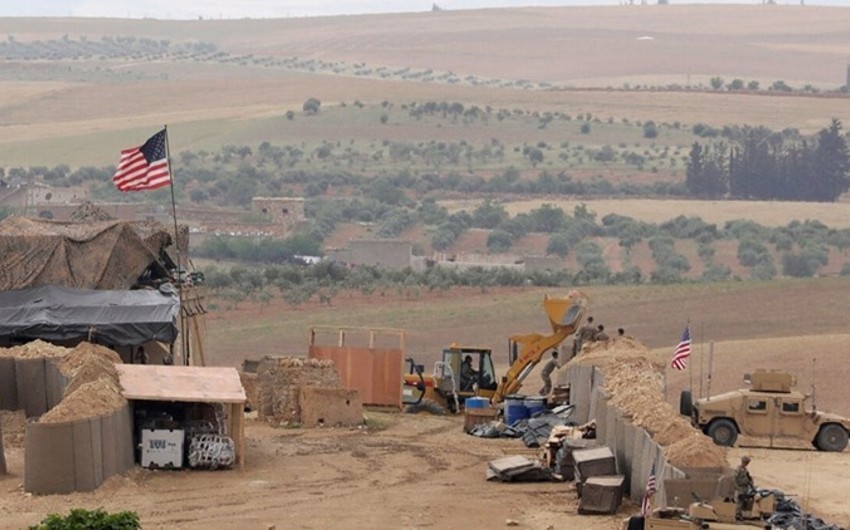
(117, 318)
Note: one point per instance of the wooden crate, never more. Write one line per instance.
(601, 495)
(473, 417)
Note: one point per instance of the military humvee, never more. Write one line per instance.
(769, 408)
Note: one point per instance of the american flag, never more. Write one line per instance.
(651, 487)
(144, 167)
(683, 351)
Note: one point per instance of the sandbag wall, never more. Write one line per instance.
(34, 385)
(77, 455)
(633, 447)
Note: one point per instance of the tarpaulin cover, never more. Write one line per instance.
(118, 318)
(82, 255)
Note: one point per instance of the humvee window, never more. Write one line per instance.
(790, 407)
(757, 405)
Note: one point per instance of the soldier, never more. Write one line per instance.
(586, 333)
(744, 488)
(141, 356)
(600, 333)
(546, 373)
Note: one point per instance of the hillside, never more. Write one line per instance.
(221, 81)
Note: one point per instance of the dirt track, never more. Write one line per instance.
(417, 472)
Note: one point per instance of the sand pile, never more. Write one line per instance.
(90, 399)
(92, 390)
(34, 350)
(633, 379)
(279, 380)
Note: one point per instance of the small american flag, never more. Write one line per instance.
(683, 351)
(651, 487)
(144, 167)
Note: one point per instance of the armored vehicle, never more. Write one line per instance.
(769, 408)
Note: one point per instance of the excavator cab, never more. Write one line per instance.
(477, 379)
(451, 383)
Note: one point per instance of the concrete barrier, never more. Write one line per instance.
(8, 384)
(633, 447)
(77, 455)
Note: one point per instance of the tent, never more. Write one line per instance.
(117, 318)
(82, 255)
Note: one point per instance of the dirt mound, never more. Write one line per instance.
(34, 350)
(634, 380)
(93, 388)
(87, 400)
(90, 357)
(279, 380)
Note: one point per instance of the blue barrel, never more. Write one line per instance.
(535, 404)
(476, 403)
(515, 409)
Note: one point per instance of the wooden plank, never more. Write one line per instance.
(181, 383)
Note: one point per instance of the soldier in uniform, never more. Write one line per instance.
(743, 488)
(546, 373)
(586, 334)
(600, 333)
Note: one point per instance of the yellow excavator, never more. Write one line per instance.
(466, 372)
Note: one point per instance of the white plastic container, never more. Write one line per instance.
(162, 448)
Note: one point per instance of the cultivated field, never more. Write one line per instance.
(71, 113)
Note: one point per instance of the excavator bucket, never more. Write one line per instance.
(565, 311)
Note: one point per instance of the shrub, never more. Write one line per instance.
(80, 519)
(499, 241)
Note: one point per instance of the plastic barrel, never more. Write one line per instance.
(476, 403)
(515, 409)
(535, 404)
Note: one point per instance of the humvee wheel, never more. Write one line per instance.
(723, 432)
(832, 437)
(686, 403)
(426, 405)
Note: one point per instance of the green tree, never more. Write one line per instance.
(311, 106)
(488, 214)
(736, 84)
(716, 82)
(499, 241)
(559, 245)
(832, 163)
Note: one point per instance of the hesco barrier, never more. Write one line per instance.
(77, 455)
(32, 385)
(633, 447)
(8, 384)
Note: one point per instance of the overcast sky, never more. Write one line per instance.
(189, 9)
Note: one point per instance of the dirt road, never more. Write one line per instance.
(398, 472)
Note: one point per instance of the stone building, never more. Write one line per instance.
(286, 211)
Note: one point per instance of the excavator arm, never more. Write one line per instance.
(565, 314)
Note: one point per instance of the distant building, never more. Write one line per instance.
(392, 254)
(286, 211)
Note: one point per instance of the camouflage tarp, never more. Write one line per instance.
(91, 255)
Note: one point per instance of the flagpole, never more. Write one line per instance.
(179, 281)
(690, 365)
(173, 202)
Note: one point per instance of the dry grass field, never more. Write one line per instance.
(772, 214)
(209, 104)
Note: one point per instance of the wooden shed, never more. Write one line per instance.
(190, 385)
